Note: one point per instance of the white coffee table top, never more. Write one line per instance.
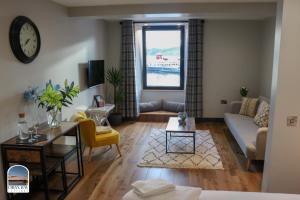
(173, 125)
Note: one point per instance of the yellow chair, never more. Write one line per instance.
(94, 136)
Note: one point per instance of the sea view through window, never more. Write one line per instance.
(163, 53)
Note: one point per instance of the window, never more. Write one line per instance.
(163, 53)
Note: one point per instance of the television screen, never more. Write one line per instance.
(95, 72)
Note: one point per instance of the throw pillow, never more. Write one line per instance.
(150, 106)
(262, 117)
(172, 106)
(249, 106)
(78, 117)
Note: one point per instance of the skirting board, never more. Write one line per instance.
(206, 119)
(161, 118)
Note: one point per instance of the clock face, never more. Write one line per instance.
(24, 39)
(28, 40)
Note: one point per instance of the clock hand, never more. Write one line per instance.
(27, 41)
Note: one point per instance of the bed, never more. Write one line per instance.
(230, 195)
(216, 195)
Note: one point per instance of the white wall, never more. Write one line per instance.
(66, 43)
(281, 169)
(113, 52)
(114, 41)
(231, 60)
(267, 41)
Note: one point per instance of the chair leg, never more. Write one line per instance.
(90, 154)
(248, 165)
(119, 150)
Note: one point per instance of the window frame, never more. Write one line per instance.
(181, 28)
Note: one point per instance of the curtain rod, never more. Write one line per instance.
(157, 22)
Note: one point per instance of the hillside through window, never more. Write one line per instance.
(163, 57)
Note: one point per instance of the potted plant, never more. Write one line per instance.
(115, 77)
(244, 91)
(54, 98)
(182, 116)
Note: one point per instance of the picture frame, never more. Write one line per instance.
(98, 101)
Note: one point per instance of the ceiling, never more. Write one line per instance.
(80, 3)
(151, 10)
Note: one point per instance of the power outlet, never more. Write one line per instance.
(292, 121)
(223, 101)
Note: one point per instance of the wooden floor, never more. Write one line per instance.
(108, 177)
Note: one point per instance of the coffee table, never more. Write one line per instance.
(175, 130)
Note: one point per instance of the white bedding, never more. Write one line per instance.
(180, 193)
(228, 195)
(221, 195)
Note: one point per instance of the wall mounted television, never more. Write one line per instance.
(95, 72)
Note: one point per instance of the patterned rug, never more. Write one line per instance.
(206, 156)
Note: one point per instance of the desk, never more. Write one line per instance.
(35, 154)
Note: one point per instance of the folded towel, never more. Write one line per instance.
(152, 187)
(180, 193)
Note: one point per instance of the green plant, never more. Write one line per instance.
(244, 91)
(55, 97)
(114, 77)
(184, 116)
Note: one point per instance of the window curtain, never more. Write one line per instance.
(194, 90)
(138, 63)
(129, 106)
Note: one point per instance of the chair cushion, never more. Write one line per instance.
(172, 106)
(150, 106)
(103, 129)
(108, 138)
(249, 106)
(244, 131)
(262, 117)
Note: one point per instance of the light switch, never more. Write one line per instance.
(223, 101)
(292, 120)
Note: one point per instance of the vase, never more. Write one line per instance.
(54, 118)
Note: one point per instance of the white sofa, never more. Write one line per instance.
(250, 137)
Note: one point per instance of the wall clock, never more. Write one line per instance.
(24, 39)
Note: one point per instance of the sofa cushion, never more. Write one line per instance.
(172, 106)
(244, 131)
(150, 106)
(261, 119)
(249, 106)
(262, 98)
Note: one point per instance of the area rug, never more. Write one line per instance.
(205, 157)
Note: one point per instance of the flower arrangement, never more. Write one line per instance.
(244, 91)
(31, 95)
(54, 98)
(182, 116)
